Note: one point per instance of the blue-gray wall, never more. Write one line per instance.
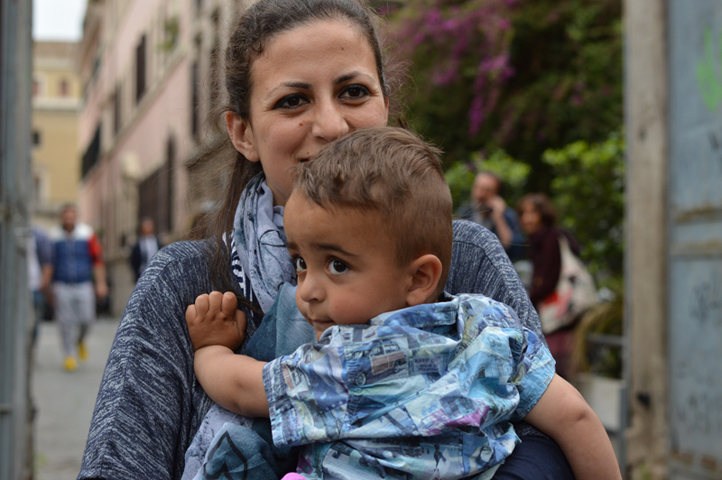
(694, 229)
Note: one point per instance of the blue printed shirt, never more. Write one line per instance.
(429, 391)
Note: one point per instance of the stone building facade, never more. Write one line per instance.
(56, 107)
(146, 68)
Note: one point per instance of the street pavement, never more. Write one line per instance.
(64, 401)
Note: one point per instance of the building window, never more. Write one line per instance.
(92, 154)
(37, 138)
(195, 100)
(140, 69)
(36, 87)
(64, 88)
(155, 193)
(117, 119)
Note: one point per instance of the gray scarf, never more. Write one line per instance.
(261, 242)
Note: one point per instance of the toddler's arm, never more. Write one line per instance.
(564, 415)
(235, 382)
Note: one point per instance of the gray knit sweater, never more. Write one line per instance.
(150, 403)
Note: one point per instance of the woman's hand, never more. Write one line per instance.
(215, 320)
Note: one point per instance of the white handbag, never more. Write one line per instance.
(574, 294)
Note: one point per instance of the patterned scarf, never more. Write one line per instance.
(259, 243)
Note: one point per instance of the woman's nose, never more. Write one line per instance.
(330, 122)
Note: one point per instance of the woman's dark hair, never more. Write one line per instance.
(257, 26)
(542, 204)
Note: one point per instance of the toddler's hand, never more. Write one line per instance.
(215, 320)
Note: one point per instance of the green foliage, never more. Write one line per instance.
(519, 78)
(512, 172)
(588, 190)
(521, 75)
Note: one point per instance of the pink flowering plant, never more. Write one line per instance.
(517, 75)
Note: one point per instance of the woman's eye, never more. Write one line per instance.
(300, 264)
(291, 101)
(337, 267)
(355, 91)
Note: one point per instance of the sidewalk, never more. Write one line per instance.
(64, 401)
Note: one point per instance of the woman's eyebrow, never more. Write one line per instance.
(294, 85)
(298, 85)
(349, 76)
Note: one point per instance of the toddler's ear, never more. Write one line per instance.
(424, 274)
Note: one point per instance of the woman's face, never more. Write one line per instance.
(311, 85)
(530, 218)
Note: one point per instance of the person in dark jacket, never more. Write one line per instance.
(538, 219)
(489, 209)
(144, 249)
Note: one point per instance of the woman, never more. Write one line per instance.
(300, 74)
(538, 220)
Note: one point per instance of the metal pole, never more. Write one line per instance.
(15, 125)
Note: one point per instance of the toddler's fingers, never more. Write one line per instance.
(214, 298)
(229, 305)
(202, 305)
(191, 313)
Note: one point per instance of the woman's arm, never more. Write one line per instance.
(150, 405)
(562, 413)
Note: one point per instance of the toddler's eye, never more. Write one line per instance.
(300, 264)
(337, 267)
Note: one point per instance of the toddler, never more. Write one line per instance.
(404, 381)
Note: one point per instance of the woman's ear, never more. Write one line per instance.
(424, 275)
(241, 135)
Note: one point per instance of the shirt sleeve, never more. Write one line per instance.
(307, 394)
(510, 355)
(96, 251)
(534, 370)
(538, 367)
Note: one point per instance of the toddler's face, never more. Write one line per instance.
(346, 264)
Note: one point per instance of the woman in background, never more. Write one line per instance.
(538, 219)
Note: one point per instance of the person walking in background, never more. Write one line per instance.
(144, 249)
(76, 262)
(538, 219)
(487, 208)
